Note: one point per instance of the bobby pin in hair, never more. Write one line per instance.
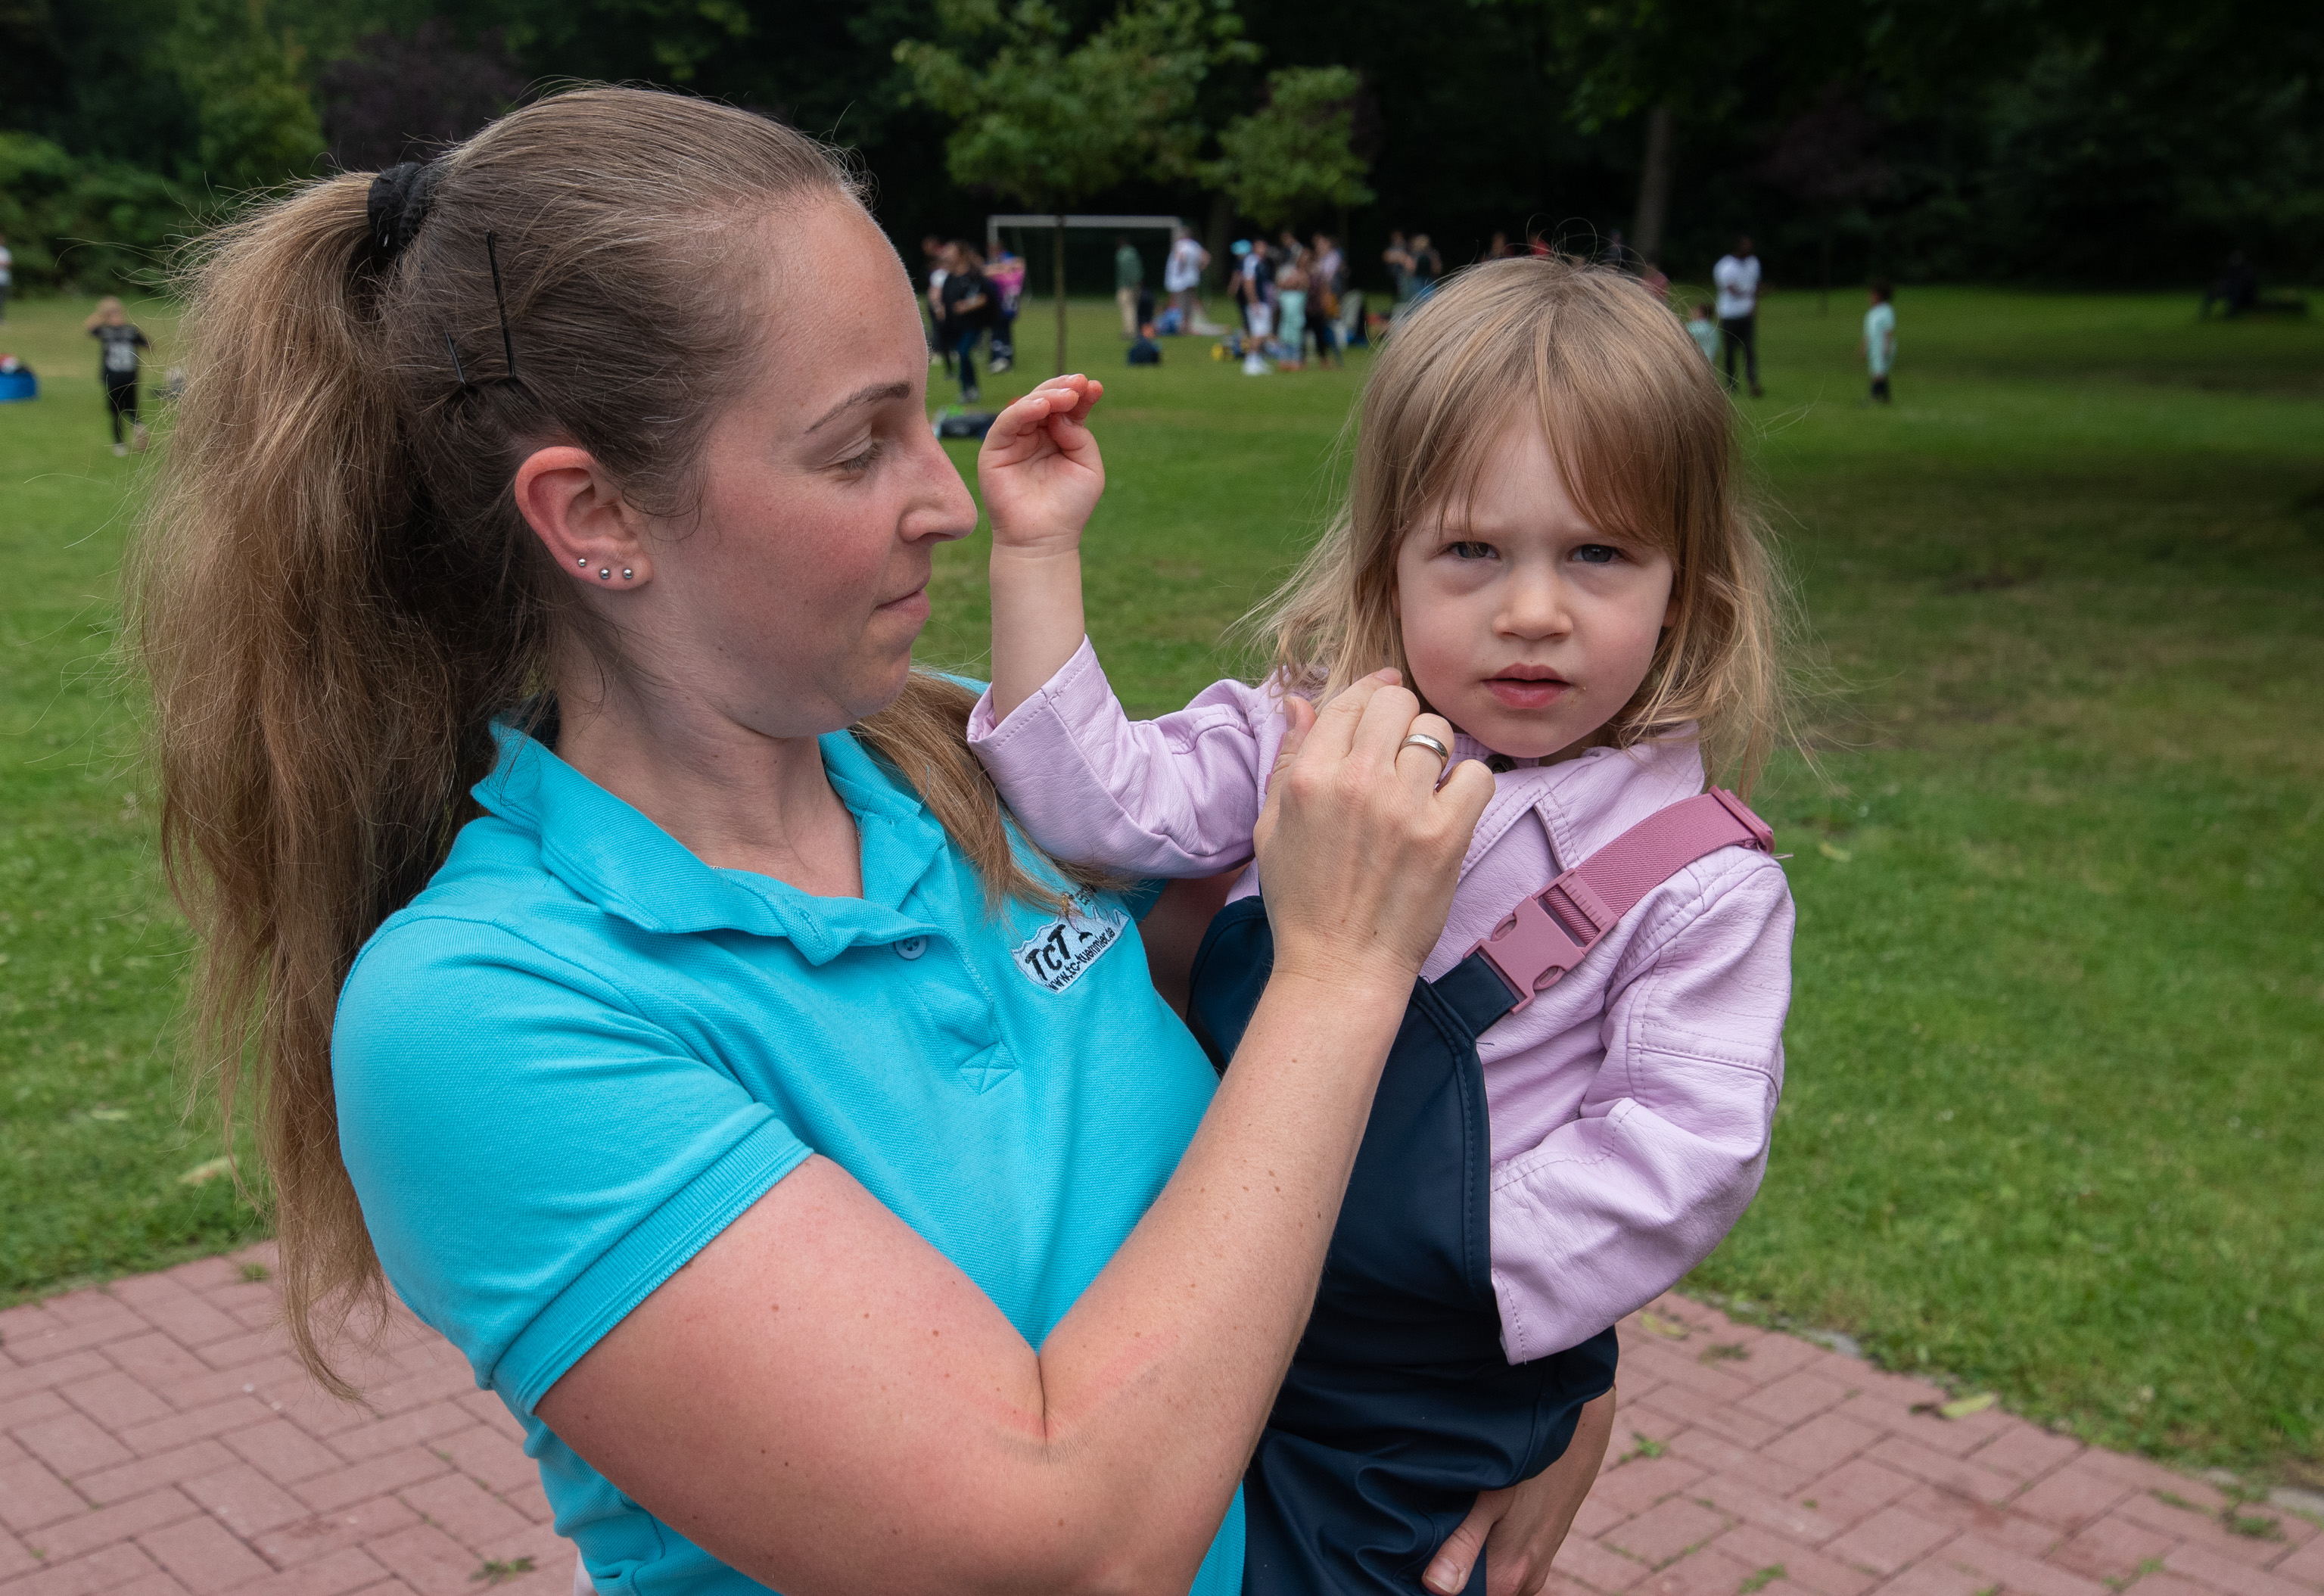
(508, 345)
(454, 352)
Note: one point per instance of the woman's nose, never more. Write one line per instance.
(946, 510)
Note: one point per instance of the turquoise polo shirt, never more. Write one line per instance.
(581, 1052)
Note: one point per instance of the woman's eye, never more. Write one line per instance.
(1470, 550)
(857, 463)
(1597, 554)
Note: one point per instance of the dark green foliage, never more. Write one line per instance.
(89, 223)
(2057, 141)
(1294, 159)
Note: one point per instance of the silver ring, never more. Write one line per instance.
(1421, 740)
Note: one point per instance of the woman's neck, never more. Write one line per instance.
(735, 798)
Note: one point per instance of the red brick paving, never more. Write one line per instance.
(1791, 1469)
(157, 1439)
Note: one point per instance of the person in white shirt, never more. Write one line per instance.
(1879, 345)
(8, 276)
(1736, 278)
(1181, 274)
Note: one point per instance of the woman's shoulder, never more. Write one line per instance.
(492, 905)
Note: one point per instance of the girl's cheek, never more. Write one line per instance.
(1436, 635)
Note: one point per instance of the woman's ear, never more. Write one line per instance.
(578, 514)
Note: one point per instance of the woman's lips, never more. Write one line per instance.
(912, 607)
(1521, 693)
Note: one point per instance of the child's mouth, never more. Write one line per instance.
(1521, 689)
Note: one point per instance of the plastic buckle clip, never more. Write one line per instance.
(1763, 836)
(1533, 949)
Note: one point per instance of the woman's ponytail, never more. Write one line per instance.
(305, 726)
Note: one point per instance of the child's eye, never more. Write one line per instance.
(1471, 550)
(1597, 554)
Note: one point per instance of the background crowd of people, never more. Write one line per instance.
(970, 298)
(1291, 295)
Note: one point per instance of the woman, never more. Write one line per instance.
(639, 976)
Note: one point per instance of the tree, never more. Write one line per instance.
(256, 122)
(396, 99)
(1295, 156)
(1824, 158)
(1681, 64)
(92, 224)
(1048, 122)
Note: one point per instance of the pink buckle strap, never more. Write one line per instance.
(1552, 931)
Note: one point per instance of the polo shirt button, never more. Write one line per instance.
(911, 947)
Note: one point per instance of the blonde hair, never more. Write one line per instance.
(1644, 440)
(334, 597)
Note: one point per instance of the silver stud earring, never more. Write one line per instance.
(605, 576)
(583, 561)
(627, 574)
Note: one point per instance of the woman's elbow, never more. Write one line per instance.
(1085, 1537)
(1117, 1553)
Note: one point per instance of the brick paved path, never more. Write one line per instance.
(157, 1438)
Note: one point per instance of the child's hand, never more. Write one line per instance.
(1039, 467)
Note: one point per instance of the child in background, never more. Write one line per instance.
(1878, 345)
(1545, 537)
(1007, 275)
(1704, 331)
(1291, 308)
(111, 327)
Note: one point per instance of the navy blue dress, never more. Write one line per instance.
(1400, 1406)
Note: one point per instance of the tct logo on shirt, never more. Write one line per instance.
(1056, 955)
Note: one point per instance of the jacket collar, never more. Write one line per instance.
(617, 859)
(1587, 801)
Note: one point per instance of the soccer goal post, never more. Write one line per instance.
(1058, 226)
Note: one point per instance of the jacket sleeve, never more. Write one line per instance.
(1175, 796)
(1615, 1206)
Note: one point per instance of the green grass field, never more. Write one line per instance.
(2050, 1127)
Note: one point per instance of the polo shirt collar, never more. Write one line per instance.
(616, 858)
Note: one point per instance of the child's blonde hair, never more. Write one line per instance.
(1644, 439)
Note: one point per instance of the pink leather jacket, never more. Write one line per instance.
(1630, 1104)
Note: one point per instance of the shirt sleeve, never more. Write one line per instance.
(1614, 1207)
(533, 1159)
(1176, 797)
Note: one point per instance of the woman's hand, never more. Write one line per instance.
(1520, 1529)
(1039, 469)
(1359, 844)
(1041, 477)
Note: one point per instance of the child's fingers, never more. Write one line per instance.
(1301, 713)
(1091, 392)
(1023, 421)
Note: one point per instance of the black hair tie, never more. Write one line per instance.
(398, 205)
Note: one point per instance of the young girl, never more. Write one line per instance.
(1543, 538)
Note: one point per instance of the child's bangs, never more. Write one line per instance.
(1631, 435)
(1628, 441)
